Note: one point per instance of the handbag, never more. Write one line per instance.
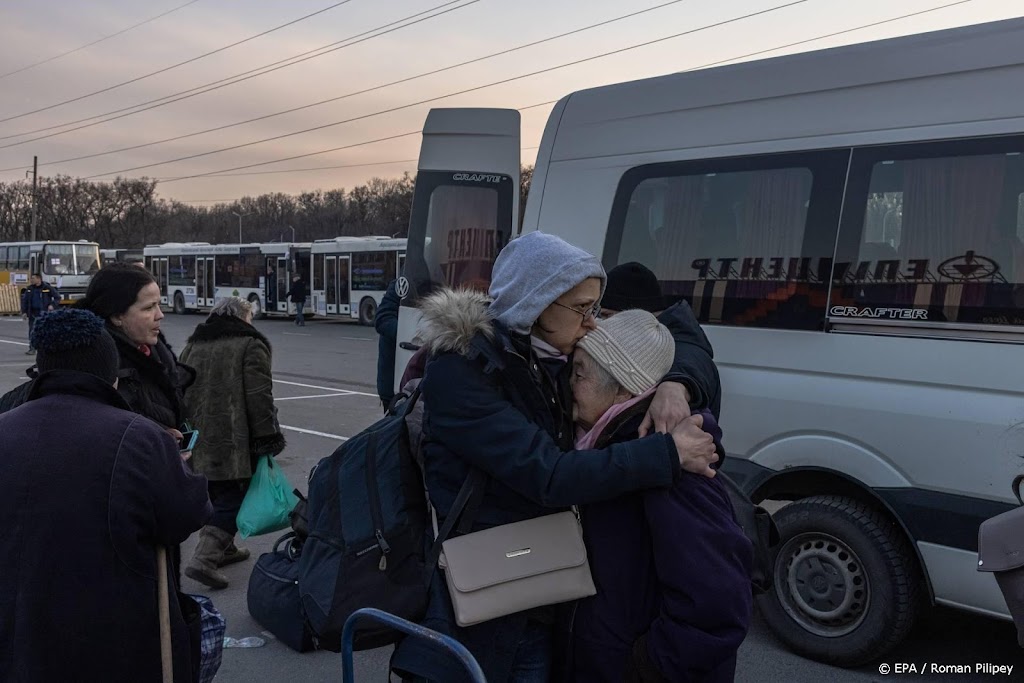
(516, 567)
(1001, 551)
(268, 501)
(273, 594)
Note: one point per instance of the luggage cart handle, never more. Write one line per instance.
(387, 619)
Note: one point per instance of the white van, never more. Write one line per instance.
(848, 226)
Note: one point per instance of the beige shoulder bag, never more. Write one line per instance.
(513, 567)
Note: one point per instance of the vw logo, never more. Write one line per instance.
(402, 287)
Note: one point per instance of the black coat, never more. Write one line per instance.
(386, 324)
(488, 406)
(694, 364)
(152, 385)
(84, 501)
(298, 291)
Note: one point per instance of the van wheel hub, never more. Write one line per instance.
(826, 590)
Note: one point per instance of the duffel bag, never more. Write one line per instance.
(273, 595)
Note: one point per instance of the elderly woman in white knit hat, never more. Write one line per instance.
(671, 566)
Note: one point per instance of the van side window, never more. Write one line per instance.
(460, 221)
(933, 233)
(732, 236)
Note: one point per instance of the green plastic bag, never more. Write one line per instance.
(267, 502)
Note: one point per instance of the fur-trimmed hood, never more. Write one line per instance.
(451, 318)
(220, 326)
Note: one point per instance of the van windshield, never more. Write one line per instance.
(460, 221)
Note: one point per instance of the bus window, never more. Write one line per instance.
(22, 259)
(87, 258)
(934, 235)
(372, 271)
(3, 258)
(181, 271)
(459, 224)
(731, 236)
(59, 259)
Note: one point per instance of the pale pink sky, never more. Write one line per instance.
(37, 30)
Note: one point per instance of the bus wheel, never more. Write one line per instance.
(179, 303)
(257, 308)
(367, 311)
(847, 587)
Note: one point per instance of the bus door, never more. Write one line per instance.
(205, 291)
(284, 282)
(344, 284)
(158, 266)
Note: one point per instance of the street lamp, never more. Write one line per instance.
(235, 213)
(293, 233)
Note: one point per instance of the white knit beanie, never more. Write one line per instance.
(633, 347)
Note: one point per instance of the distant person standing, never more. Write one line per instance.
(38, 298)
(297, 295)
(386, 324)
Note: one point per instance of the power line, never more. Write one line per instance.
(358, 92)
(100, 40)
(827, 35)
(175, 66)
(703, 66)
(237, 78)
(441, 97)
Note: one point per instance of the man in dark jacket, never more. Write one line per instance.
(386, 324)
(632, 285)
(85, 502)
(297, 295)
(37, 299)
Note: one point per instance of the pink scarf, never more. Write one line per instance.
(585, 440)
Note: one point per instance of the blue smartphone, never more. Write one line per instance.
(188, 440)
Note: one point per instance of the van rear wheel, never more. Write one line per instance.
(847, 587)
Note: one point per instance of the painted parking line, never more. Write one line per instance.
(312, 432)
(333, 389)
(301, 398)
(4, 341)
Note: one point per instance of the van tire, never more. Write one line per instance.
(846, 587)
(179, 304)
(367, 311)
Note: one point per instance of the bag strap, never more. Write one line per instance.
(1016, 487)
(460, 509)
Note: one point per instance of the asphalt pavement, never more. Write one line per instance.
(325, 390)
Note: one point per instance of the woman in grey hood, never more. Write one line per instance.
(496, 400)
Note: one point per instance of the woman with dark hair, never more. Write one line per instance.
(150, 378)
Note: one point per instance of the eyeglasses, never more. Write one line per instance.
(592, 312)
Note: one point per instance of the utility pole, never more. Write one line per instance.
(35, 184)
(239, 226)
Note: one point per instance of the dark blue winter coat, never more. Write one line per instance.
(672, 571)
(37, 299)
(694, 364)
(386, 324)
(488, 405)
(85, 500)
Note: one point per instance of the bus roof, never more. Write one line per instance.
(359, 244)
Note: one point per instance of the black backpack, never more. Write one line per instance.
(367, 519)
(759, 527)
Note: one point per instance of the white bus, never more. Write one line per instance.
(193, 276)
(351, 275)
(848, 226)
(126, 255)
(68, 266)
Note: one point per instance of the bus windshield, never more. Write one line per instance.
(70, 259)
